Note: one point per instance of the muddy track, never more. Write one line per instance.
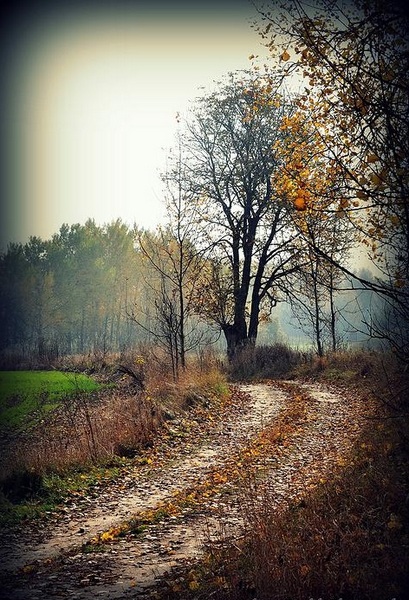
(54, 565)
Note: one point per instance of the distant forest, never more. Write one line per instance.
(70, 294)
(89, 289)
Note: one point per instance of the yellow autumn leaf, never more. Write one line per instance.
(395, 522)
(304, 570)
(299, 203)
(285, 56)
(220, 478)
(28, 569)
(375, 178)
(220, 582)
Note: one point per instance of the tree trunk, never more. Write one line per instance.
(254, 319)
(317, 320)
(236, 338)
(333, 313)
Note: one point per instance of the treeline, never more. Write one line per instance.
(70, 294)
(91, 289)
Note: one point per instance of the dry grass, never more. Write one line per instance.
(348, 538)
(85, 429)
(92, 429)
(263, 362)
(202, 381)
(349, 367)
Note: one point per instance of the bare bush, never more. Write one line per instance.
(263, 362)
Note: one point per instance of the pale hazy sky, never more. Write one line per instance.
(90, 96)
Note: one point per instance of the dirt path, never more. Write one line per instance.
(54, 563)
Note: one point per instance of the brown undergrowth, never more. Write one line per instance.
(348, 538)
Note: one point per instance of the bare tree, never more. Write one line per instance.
(166, 313)
(312, 296)
(230, 168)
(174, 267)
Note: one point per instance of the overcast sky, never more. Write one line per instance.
(90, 96)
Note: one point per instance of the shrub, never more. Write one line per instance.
(263, 362)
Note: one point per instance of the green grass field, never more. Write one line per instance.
(23, 394)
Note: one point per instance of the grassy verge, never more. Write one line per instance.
(26, 496)
(90, 440)
(26, 395)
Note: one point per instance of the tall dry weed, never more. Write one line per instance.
(116, 422)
